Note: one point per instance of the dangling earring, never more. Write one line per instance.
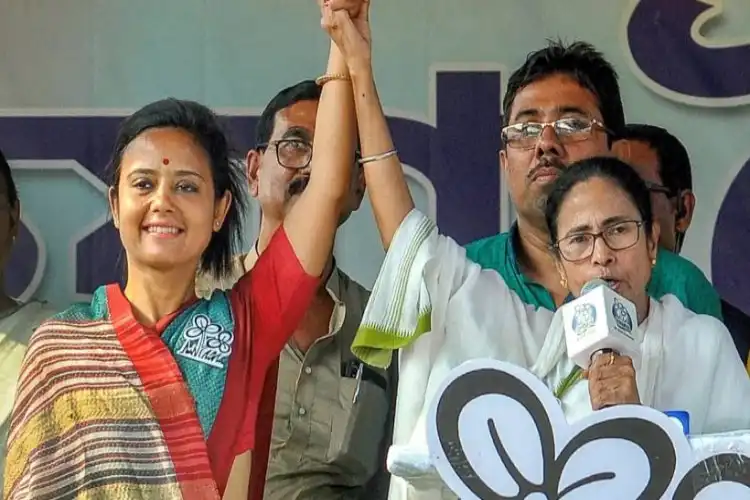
(653, 262)
(564, 282)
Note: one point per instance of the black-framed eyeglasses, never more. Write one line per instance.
(568, 130)
(618, 236)
(294, 154)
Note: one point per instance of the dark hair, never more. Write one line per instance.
(675, 170)
(580, 61)
(204, 126)
(11, 185)
(604, 167)
(306, 90)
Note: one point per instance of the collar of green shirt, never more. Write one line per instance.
(530, 291)
(672, 274)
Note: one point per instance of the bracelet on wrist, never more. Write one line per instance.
(328, 77)
(379, 157)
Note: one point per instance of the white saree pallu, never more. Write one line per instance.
(441, 310)
(15, 331)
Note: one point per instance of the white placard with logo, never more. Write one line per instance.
(495, 431)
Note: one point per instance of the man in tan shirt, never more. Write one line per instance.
(333, 416)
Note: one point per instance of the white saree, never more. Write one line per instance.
(441, 310)
(16, 328)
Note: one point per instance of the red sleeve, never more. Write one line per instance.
(272, 299)
(263, 432)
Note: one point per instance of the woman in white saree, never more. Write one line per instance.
(441, 309)
(18, 320)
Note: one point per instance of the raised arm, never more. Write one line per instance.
(311, 224)
(389, 194)
(270, 300)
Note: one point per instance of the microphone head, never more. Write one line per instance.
(591, 284)
(600, 319)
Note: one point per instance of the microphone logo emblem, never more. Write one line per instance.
(584, 318)
(622, 317)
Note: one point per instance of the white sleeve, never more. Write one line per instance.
(428, 284)
(702, 374)
(440, 309)
(728, 407)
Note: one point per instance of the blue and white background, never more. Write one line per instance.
(72, 69)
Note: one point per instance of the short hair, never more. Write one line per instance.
(581, 62)
(11, 185)
(306, 90)
(603, 167)
(675, 169)
(201, 123)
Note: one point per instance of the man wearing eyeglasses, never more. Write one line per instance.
(333, 415)
(664, 163)
(562, 105)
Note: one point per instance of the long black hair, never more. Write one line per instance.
(204, 126)
(604, 167)
(12, 193)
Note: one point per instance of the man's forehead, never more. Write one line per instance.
(641, 156)
(554, 96)
(296, 120)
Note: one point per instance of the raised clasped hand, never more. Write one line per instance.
(347, 23)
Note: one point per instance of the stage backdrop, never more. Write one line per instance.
(71, 70)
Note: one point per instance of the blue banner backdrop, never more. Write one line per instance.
(696, 86)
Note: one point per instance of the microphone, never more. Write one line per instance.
(600, 321)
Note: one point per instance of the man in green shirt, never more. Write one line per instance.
(664, 163)
(562, 105)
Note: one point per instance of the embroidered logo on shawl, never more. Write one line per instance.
(584, 318)
(206, 342)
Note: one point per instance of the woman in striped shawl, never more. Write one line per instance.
(147, 391)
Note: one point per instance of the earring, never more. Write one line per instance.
(564, 282)
(653, 262)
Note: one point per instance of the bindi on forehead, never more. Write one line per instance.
(165, 147)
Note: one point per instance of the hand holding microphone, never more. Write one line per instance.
(612, 381)
(601, 337)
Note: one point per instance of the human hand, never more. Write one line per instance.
(347, 23)
(353, 7)
(612, 381)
